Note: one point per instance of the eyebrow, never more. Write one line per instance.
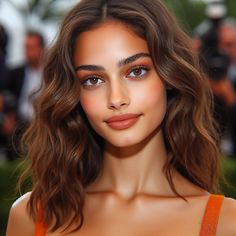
(121, 63)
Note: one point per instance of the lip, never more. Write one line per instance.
(122, 121)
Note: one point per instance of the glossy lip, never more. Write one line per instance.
(122, 121)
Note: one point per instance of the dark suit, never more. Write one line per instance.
(10, 89)
(16, 80)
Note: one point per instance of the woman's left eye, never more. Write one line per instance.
(138, 72)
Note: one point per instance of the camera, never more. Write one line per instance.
(215, 61)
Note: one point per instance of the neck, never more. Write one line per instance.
(129, 171)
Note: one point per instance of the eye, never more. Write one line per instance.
(92, 81)
(137, 72)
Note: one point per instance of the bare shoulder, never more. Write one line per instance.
(227, 219)
(19, 222)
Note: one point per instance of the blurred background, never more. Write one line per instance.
(29, 27)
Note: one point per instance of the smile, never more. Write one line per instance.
(123, 121)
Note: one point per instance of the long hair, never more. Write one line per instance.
(66, 154)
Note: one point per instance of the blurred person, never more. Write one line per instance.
(7, 101)
(225, 113)
(227, 44)
(218, 52)
(26, 79)
(3, 52)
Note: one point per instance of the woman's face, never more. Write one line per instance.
(121, 93)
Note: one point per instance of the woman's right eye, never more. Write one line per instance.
(92, 82)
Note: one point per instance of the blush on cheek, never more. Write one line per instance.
(158, 97)
(88, 106)
(151, 95)
(93, 109)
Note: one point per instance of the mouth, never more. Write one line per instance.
(121, 122)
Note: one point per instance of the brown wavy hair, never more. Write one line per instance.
(66, 154)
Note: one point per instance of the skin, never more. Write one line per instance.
(132, 196)
(33, 51)
(227, 41)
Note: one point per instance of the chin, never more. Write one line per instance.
(132, 142)
(123, 143)
(136, 138)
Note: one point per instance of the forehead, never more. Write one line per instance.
(109, 38)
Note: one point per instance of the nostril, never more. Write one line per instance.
(117, 104)
(118, 96)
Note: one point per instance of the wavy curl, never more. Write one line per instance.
(65, 152)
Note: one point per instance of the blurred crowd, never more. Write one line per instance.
(216, 47)
(18, 88)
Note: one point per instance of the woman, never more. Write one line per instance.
(123, 142)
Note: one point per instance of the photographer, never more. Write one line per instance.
(216, 62)
(7, 101)
(3, 49)
(227, 43)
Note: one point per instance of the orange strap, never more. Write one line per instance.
(211, 216)
(40, 228)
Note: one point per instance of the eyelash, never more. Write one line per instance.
(138, 68)
(89, 78)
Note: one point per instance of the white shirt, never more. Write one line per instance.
(32, 82)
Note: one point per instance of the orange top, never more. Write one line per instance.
(209, 222)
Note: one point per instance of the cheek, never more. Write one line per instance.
(151, 96)
(91, 105)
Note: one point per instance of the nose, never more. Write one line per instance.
(118, 97)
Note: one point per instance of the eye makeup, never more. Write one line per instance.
(91, 81)
(134, 71)
(139, 71)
